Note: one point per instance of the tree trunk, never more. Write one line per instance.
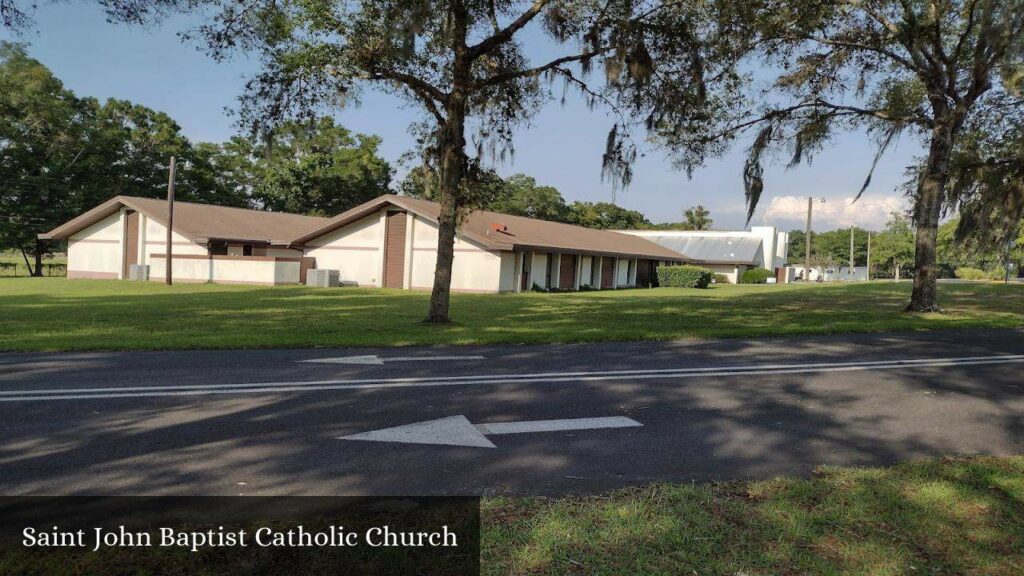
(452, 151)
(441, 294)
(39, 258)
(27, 263)
(927, 210)
(452, 145)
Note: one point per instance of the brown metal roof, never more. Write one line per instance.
(519, 233)
(201, 222)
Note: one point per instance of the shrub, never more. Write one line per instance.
(968, 273)
(755, 276)
(684, 276)
(721, 279)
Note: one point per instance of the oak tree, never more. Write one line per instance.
(466, 65)
(923, 68)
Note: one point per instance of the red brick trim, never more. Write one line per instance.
(89, 275)
(235, 282)
(463, 290)
(434, 249)
(227, 257)
(326, 247)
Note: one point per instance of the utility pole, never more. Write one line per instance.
(1006, 262)
(868, 263)
(851, 249)
(807, 241)
(170, 223)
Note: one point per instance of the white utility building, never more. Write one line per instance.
(729, 253)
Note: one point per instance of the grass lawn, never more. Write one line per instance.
(61, 314)
(951, 516)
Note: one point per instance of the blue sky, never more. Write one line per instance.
(562, 147)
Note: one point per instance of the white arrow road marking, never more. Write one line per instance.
(378, 361)
(530, 426)
(39, 394)
(451, 431)
(459, 431)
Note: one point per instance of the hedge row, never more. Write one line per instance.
(755, 276)
(684, 276)
(968, 273)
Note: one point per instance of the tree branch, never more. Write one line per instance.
(878, 113)
(508, 32)
(492, 13)
(586, 89)
(532, 72)
(416, 84)
(937, 31)
(858, 46)
(968, 29)
(840, 109)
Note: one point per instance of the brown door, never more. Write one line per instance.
(643, 272)
(131, 241)
(567, 271)
(306, 263)
(607, 272)
(524, 283)
(394, 250)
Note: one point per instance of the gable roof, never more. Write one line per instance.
(520, 233)
(201, 222)
(713, 248)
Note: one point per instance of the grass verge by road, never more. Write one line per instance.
(950, 516)
(61, 314)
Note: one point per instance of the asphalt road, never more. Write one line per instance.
(264, 422)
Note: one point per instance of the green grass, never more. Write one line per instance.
(61, 314)
(950, 516)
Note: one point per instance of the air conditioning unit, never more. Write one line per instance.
(323, 278)
(138, 272)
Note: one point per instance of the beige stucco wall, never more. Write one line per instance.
(97, 251)
(153, 238)
(731, 271)
(255, 271)
(355, 250)
(473, 268)
(507, 280)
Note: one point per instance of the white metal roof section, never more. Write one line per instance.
(713, 249)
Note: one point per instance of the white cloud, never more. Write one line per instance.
(870, 211)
